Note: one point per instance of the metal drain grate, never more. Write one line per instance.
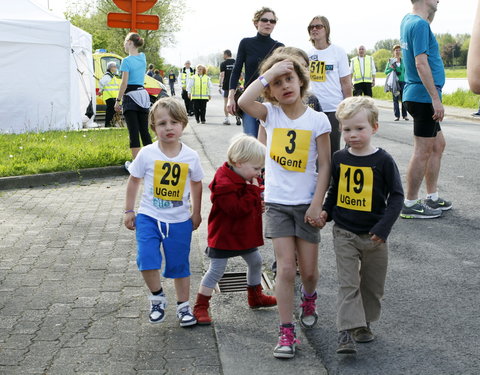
(237, 282)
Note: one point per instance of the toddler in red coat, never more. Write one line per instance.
(235, 223)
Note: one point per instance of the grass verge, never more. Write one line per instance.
(53, 151)
(459, 98)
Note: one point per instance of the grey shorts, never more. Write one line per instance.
(288, 221)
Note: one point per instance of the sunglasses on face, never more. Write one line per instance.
(265, 20)
(317, 27)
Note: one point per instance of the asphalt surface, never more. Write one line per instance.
(72, 300)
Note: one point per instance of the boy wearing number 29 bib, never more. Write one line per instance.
(297, 140)
(172, 175)
(364, 200)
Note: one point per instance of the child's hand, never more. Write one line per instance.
(323, 219)
(129, 220)
(196, 220)
(312, 216)
(254, 182)
(278, 69)
(375, 238)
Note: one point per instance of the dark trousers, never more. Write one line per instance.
(200, 109)
(396, 99)
(172, 88)
(188, 102)
(335, 133)
(364, 88)
(109, 112)
(137, 123)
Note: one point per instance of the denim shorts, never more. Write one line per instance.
(174, 238)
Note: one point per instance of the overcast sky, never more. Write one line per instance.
(212, 26)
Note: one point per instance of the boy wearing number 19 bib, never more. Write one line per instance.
(297, 139)
(364, 200)
(172, 176)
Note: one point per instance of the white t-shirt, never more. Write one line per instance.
(327, 66)
(290, 162)
(166, 182)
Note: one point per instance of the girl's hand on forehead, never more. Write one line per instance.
(282, 67)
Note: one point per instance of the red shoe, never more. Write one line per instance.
(200, 310)
(257, 299)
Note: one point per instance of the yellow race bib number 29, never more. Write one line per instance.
(355, 188)
(169, 180)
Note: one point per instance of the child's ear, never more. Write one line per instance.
(375, 127)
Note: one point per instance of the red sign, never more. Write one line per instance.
(133, 19)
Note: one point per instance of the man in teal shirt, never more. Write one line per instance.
(424, 77)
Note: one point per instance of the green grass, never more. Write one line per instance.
(31, 153)
(449, 73)
(460, 98)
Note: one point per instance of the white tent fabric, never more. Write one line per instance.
(46, 70)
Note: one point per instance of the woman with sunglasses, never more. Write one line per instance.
(330, 78)
(251, 52)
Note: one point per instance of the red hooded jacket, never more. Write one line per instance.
(235, 220)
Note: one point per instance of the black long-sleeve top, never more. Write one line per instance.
(251, 52)
(366, 194)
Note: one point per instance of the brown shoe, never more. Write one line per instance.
(363, 334)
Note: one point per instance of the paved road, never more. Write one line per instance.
(71, 300)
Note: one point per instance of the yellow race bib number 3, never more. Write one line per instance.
(169, 180)
(317, 71)
(290, 148)
(355, 188)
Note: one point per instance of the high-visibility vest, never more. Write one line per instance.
(200, 87)
(367, 69)
(110, 90)
(184, 77)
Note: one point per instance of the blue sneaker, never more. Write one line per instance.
(157, 308)
(185, 315)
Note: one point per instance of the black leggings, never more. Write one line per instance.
(137, 122)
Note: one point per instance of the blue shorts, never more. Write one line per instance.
(175, 238)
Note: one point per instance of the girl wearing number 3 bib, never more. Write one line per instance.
(297, 141)
(172, 177)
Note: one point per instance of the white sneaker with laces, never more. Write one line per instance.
(157, 308)
(185, 315)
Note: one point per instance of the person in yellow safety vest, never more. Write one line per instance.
(363, 72)
(185, 75)
(109, 85)
(199, 88)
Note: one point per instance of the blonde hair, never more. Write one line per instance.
(175, 108)
(200, 66)
(294, 51)
(326, 25)
(259, 13)
(245, 148)
(349, 107)
(298, 66)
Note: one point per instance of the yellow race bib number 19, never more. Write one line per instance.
(290, 148)
(169, 180)
(317, 71)
(355, 188)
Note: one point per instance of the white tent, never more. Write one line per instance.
(46, 70)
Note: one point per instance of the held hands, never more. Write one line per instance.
(313, 216)
(129, 220)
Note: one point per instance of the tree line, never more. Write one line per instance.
(453, 50)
